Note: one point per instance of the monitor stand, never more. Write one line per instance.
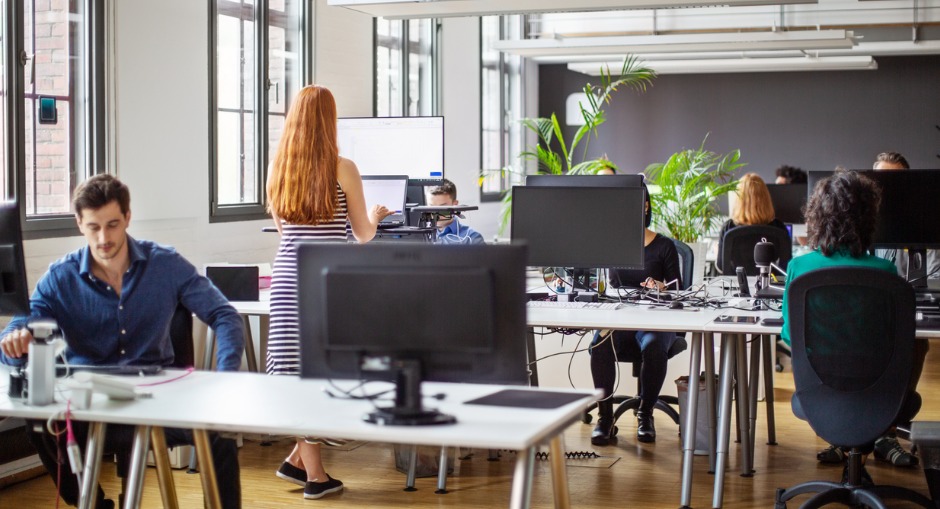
(917, 268)
(581, 280)
(408, 410)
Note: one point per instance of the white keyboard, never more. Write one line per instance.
(572, 305)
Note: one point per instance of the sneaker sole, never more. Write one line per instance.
(290, 479)
(323, 493)
(646, 439)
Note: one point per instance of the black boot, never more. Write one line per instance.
(645, 429)
(605, 431)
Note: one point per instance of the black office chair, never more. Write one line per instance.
(665, 402)
(852, 333)
(736, 248)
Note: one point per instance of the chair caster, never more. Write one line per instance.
(779, 504)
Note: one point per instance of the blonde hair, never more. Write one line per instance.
(302, 183)
(754, 203)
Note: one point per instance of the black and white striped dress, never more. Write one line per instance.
(283, 357)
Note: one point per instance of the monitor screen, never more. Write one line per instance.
(382, 311)
(908, 206)
(584, 180)
(580, 227)
(412, 146)
(14, 292)
(788, 200)
(387, 190)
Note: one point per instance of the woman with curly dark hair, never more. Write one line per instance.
(840, 220)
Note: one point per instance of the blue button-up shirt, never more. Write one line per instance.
(457, 233)
(102, 327)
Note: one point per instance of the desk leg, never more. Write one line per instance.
(726, 375)
(135, 477)
(164, 472)
(559, 473)
(521, 495)
(93, 450)
(709, 349)
(530, 356)
(264, 326)
(688, 438)
(249, 346)
(210, 488)
(769, 350)
(753, 382)
(210, 349)
(742, 400)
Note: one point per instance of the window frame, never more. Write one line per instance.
(251, 211)
(94, 150)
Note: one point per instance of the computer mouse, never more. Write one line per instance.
(676, 305)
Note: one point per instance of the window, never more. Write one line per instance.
(406, 67)
(55, 65)
(259, 60)
(500, 106)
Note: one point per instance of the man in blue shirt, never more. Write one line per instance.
(449, 229)
(114, 300)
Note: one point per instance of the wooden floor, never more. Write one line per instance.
(644, 475)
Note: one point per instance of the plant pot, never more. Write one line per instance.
(699, 252)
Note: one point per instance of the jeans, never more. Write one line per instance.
(629, 346)
(119, 440)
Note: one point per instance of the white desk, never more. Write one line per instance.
(288, 405)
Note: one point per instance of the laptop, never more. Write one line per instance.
(388, 190)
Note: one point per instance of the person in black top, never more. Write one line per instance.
(661, 262)
(754, 207)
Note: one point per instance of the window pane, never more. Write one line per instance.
(237, 175)
(388, 89)
(54, 152)
(284, 65)
(6, 190)
(420, 65)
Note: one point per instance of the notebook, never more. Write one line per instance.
(388, 190)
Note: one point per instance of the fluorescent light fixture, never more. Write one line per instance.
(730, 65)
(679, 43)
(406, 9)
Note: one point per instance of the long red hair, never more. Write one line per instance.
(302, 183)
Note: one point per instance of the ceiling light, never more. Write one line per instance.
(399, 9)
(727, 65)
(679, 43)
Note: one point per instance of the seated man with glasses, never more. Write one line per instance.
(449, 228)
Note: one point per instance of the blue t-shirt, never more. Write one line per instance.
(457, 233)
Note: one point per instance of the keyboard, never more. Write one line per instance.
(111, 369)
(551, 304)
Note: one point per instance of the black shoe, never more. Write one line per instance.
(888, 449)
(645, 429)
(605, 432)
(290, 473)
(314, 490)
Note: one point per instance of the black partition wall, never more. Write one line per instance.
(813, 120)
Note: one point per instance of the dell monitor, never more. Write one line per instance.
(906, 218)
(14, 294)
(789, 201)
(580, 227)
(582, 180)
(412, 146)
(411, 312)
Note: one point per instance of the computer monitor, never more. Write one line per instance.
(580, 227)
(584, 180)
(906, 216)
(788, 200)
(387, 190)
(412, 146)
(14, 291)
(412, 312)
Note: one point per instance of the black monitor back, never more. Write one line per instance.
(459, 310)
(14, 292)
(584, 180)
(788, 200)
(580, 227)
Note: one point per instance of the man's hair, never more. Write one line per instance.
(447, 187)
(792, 174)
(100, 190)
(754, 203)
(891, 158)
(842, 212)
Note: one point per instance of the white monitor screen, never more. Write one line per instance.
(412, 146)
(387, 191)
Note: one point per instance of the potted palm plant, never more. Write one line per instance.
(684, 192)
(555, 156)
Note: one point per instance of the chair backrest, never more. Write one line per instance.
(181, 336)
(686, 262)
(852, 333)
(736, 248)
